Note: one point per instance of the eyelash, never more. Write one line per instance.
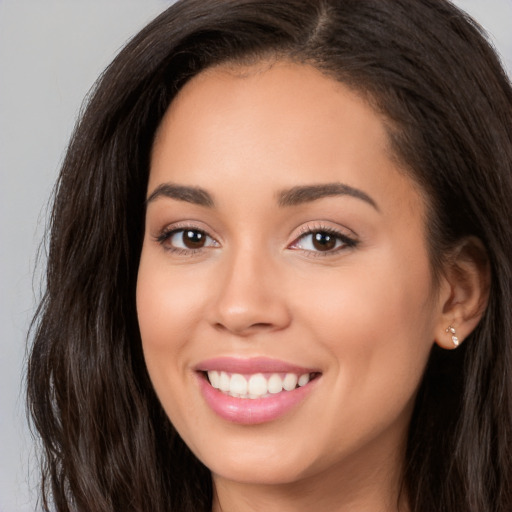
(346, 241)
(164, 237)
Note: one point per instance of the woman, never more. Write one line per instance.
(279, 274)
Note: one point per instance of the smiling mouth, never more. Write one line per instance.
(257, 385)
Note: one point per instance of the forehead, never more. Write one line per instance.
(297, 90)
(278, 122)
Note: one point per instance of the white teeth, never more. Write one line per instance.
(304, 379)
(238, 384)
(257, 385)
(214, 379)
(224, 382)
(275, 384)
(290, 381)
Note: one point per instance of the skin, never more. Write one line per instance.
(365, 315)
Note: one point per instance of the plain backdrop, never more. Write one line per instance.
(51, 52)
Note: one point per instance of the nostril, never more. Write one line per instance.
(244, 329)
(261, 325)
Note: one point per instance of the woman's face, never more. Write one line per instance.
(285, 256)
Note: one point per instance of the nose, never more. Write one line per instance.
(251, 296)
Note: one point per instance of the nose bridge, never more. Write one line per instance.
(250, 297)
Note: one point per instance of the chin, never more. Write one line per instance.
(244, 472)
(262, 463)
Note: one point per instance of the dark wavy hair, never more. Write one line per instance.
(428, 69)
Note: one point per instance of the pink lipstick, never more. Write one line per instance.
(256, 390)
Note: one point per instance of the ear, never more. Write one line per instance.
(464, 292)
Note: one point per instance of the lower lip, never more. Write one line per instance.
(248, 411)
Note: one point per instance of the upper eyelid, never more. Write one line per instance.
(184, 225)
(342, 236)
(167, 234)
(316, 226)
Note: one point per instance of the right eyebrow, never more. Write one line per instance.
(193, 195)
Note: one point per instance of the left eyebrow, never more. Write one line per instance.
(307, 193)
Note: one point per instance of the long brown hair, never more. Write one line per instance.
(427, 68)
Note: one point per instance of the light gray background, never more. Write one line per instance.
(51, 52)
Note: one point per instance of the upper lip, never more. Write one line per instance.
(251, 365)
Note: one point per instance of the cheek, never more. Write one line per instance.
(167, 311)
(379, 297)
(377, 321)
(165, 314)
(168, 303)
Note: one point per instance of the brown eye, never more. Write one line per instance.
(323, 241)
(186, 240)
(193, 239)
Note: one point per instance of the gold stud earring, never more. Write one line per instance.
(451, 330)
